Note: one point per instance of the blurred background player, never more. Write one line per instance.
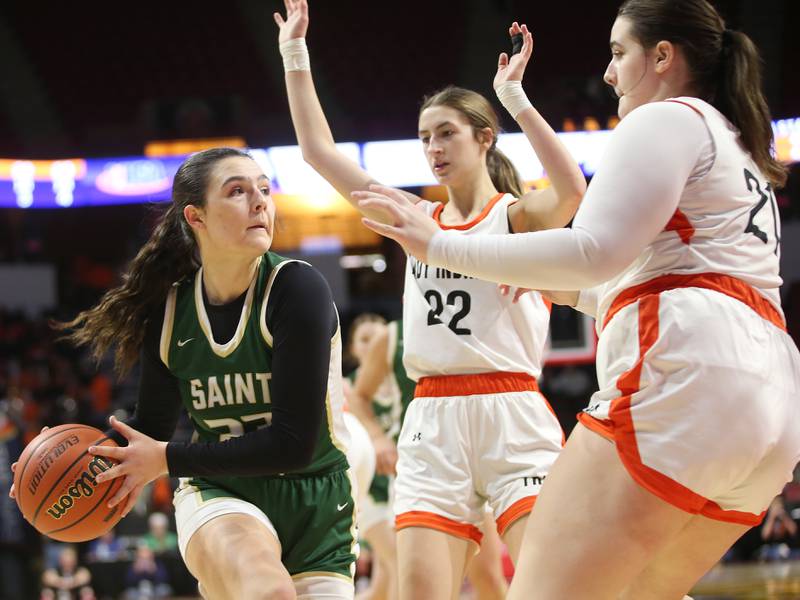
(377, 347)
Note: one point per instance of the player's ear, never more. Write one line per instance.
(664, 55)
(195, 216)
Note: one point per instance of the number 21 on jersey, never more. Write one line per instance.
(763, 223)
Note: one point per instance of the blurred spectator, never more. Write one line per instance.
(147, 576)
(161, 496)
(107, 548)
(18, 541)
(68, 580)
(159, 538)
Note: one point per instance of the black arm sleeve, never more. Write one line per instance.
(159, 404)
(302, 319)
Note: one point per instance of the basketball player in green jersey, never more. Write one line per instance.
(249, 344)
(384, 392)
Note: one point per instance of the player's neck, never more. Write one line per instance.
(467, 199)
(225, 280)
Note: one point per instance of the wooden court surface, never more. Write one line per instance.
(751, 581)
(754, 581)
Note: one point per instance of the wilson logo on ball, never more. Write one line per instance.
(82, 487)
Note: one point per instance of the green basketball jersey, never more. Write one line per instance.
(226, 387)
(396, 391)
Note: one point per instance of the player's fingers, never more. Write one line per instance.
(380, 228)
(45, 428)
(114, 472)
(392, 193)
(125, 429)
(14, 467)
(383, 205)
(278, 19)
(108, 451)
(502, 60)
(527, 45)
(11, 493)
(125, 489)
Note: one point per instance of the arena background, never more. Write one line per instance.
(95, 96)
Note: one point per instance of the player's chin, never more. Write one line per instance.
(625, 107)
(258, 244)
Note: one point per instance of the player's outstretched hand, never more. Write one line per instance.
(513, 68)
(296, 23)
(140, 462)
(406, 224)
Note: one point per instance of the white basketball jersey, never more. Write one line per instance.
(726, 222)
(454, 324)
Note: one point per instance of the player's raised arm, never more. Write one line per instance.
(311, 127)
(555, 206)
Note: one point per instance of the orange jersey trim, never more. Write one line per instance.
(496, 382)
(622, 429)
(724, 284)
(513, 513)
(680, 224)
(421, 518)
(464, 226)
(601, 427)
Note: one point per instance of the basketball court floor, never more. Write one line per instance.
(754, 581)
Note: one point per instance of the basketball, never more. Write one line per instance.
(56, 488)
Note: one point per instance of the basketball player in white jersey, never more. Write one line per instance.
(380, 394)
(478, 429)
(696, 426)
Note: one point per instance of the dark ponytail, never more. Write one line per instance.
(739, 97)
(480, 115)
(169, 256)
(725, 68)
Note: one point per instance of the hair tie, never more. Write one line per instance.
(727, 37)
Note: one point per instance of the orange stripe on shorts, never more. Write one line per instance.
(429, 520)
(496, 382)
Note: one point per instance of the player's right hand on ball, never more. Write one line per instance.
(296, 23)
